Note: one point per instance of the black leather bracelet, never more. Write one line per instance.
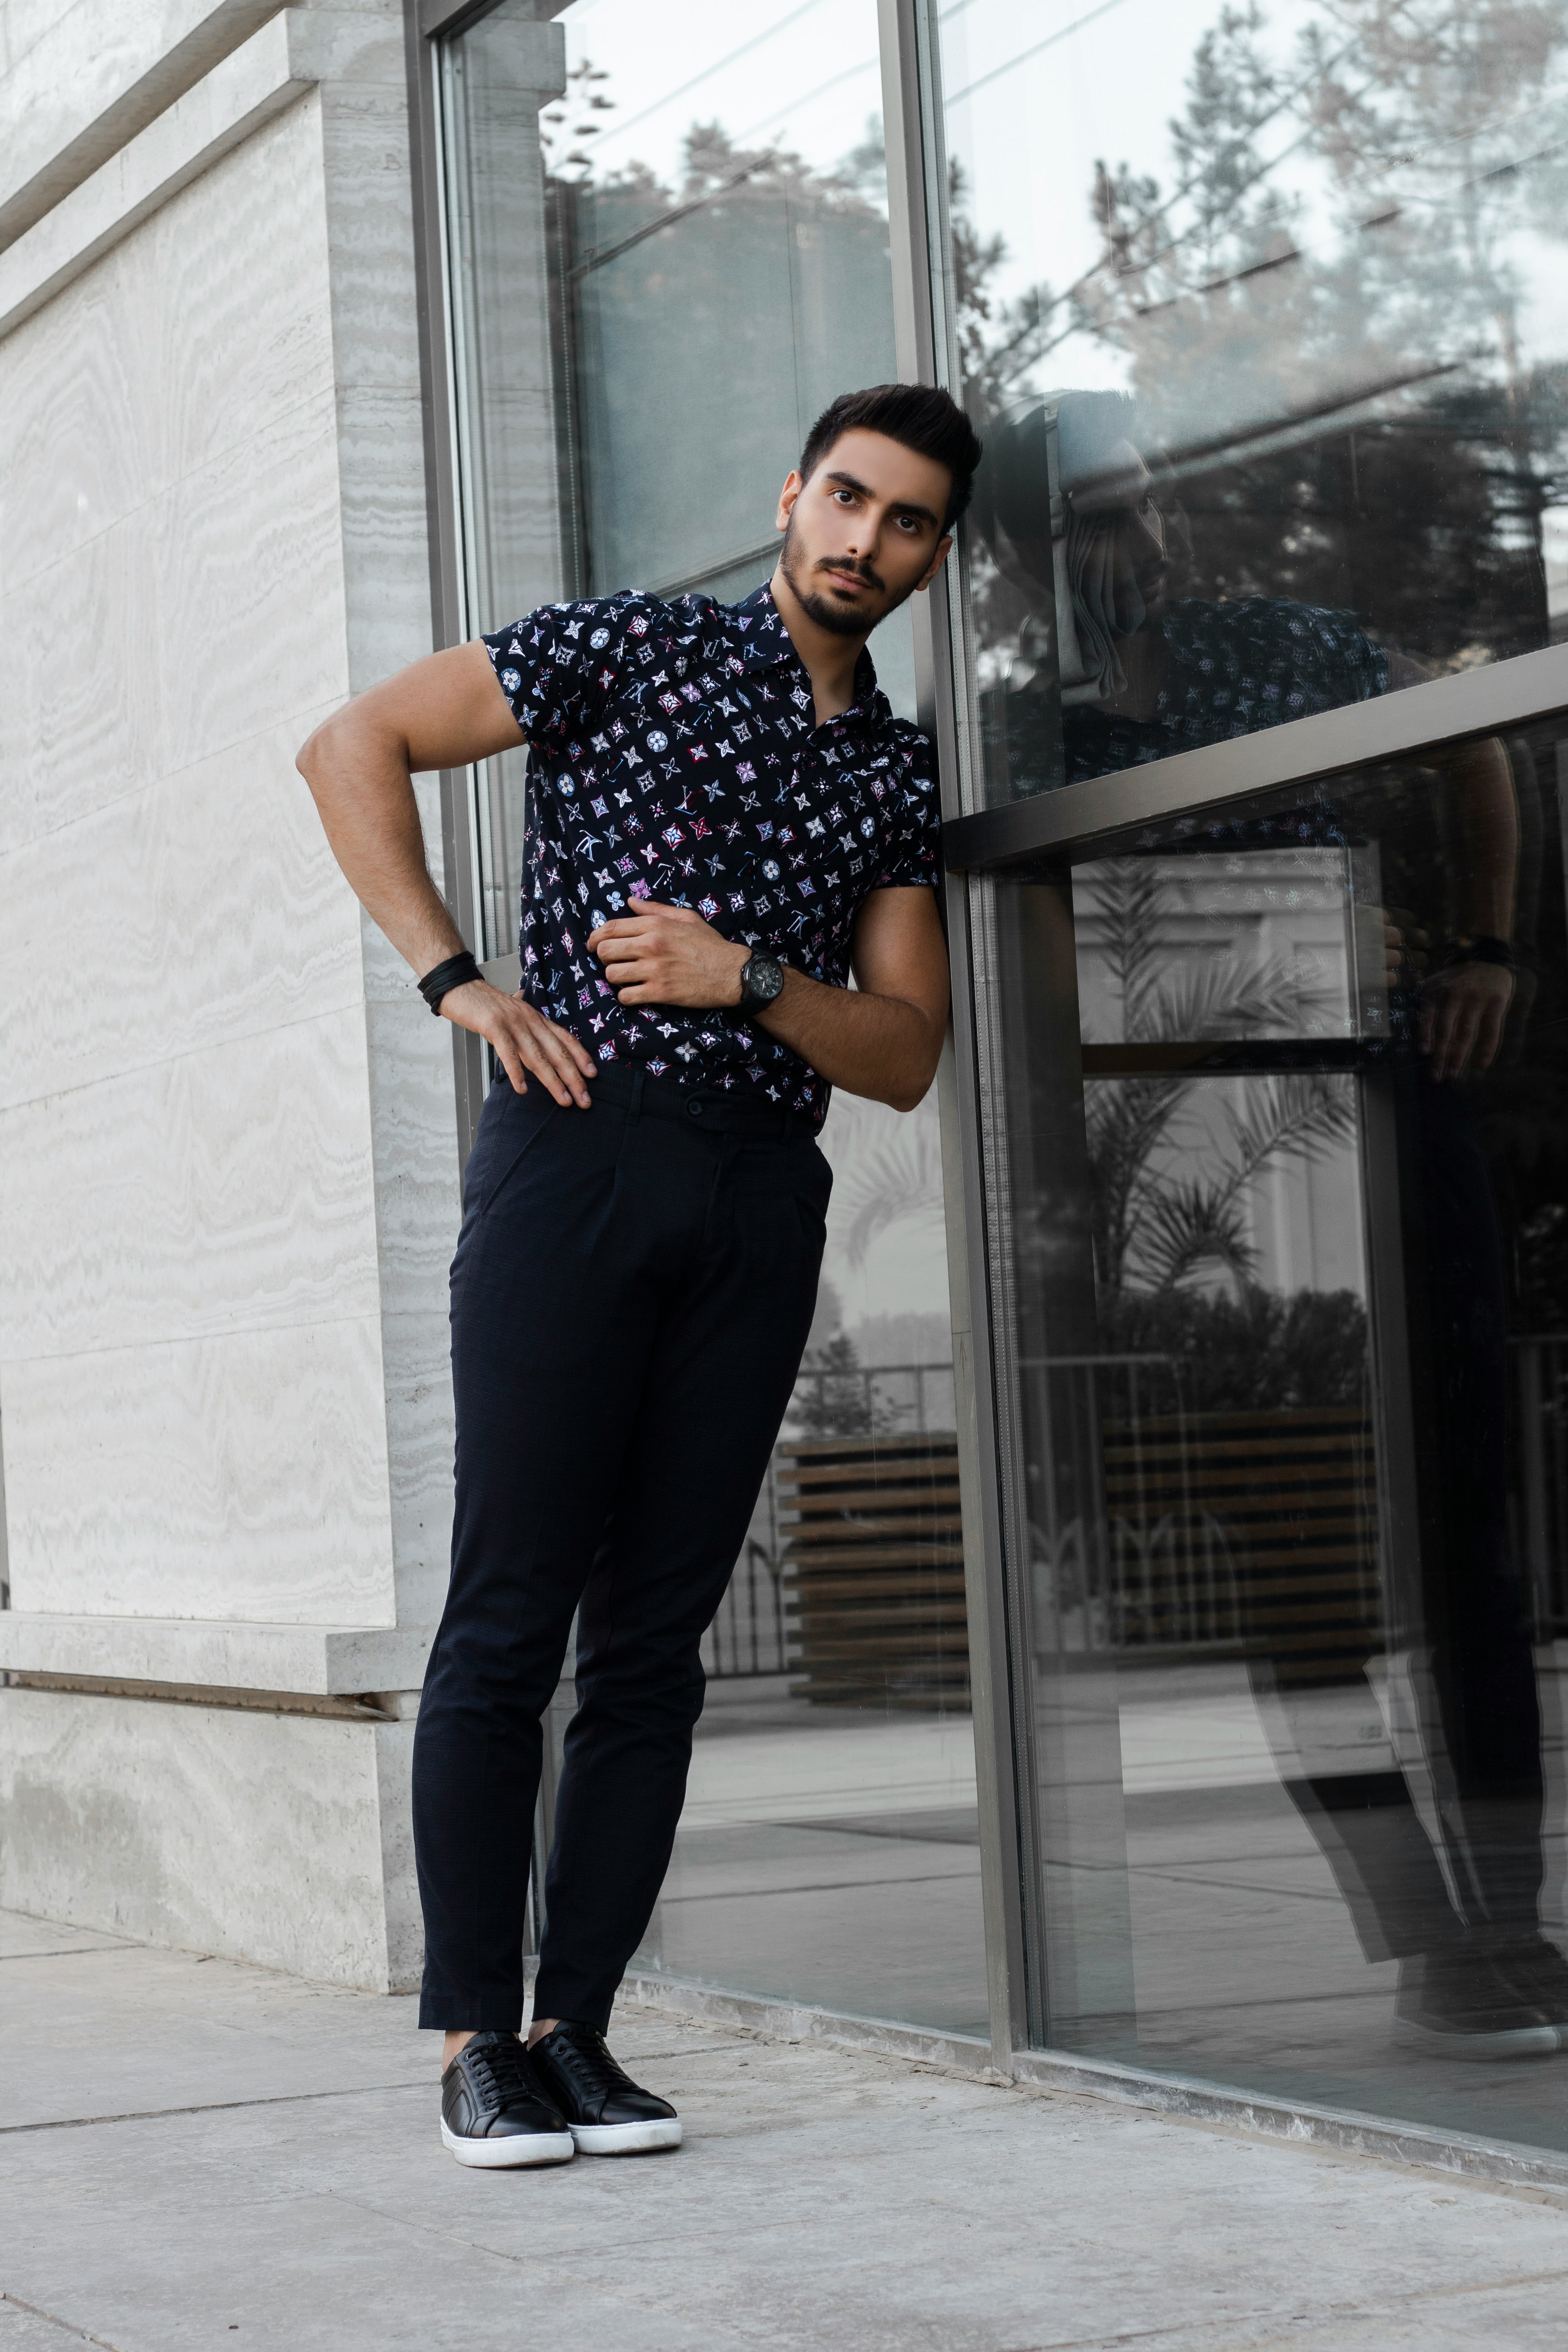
(453, 973)
(1487, 949)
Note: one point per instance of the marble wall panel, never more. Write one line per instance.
(237, 280)
(248, 582)
(386, 530)
(204, 909)
(18, 774)
(206, 322)
(74, 457)
(221, 1192)
(23, 22)
(416, 1354)
(264, 1837)
(244, 1476)
(414, 1136)
(92, 79)
(87, 675)
(370, 215)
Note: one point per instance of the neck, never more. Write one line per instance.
(827, 659)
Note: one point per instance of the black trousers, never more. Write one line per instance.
(631, 1296)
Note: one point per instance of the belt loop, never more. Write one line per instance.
(638, 1075)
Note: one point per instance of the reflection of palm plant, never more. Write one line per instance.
(1167, 1225)
(898, 1175)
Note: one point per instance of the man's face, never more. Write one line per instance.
(864, 532)
(1122, 501)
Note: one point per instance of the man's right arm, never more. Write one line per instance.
(442, 712)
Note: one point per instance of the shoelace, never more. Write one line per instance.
(503, 2077)
(584, 2057)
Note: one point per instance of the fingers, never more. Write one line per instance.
(639, 921)
(575, 1049)
(1489, 1037)
(554, 1057)
(1454, 1052)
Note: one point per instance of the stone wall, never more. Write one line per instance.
(228, 1148)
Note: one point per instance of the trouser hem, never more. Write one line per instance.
(553, 2000)
(470, 2012)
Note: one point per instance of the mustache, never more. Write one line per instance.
(848, 563)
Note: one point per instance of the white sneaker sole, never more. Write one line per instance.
(511, 2151)
(626, 2139)
(1518, 2041)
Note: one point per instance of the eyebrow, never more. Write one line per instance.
(900, 506)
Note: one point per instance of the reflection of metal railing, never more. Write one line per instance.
(747, 1638)
(858, 1399)
(1134, 1546)
(1539, 1499)
(1231, 1533)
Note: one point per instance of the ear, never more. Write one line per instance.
(794, 485)
(943, 546)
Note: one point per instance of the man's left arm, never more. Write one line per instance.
(882, 1039)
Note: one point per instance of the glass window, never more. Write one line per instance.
(1259, 311)
(1287, 1202)
(668, 251)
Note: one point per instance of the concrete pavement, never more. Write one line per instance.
(197, 2154)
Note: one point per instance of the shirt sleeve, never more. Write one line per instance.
(557, 665)
(914, 822)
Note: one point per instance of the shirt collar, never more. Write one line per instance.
(765, 641)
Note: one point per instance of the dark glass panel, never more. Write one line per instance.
(1286, 1193)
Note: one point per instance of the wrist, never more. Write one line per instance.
(453, 971)
(763, 978)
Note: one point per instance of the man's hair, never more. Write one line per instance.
(917, 415)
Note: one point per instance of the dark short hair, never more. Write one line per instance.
(919, 416)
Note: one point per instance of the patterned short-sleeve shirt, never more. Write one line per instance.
(1233, 669)
(673, 752)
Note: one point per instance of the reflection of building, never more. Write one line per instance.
(1256, 1362)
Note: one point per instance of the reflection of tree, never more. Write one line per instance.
(1154, 1229)
(703, 319)
(835, 1397)
(1431, 133)
(1257, 1353)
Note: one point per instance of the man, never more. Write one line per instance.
(724, 820)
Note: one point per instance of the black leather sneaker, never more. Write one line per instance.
(606, 2113)
(1463, 2003)
(1533, 1963)
(492, 2113)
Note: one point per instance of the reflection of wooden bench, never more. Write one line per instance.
(873, 1570)
(1249, 1534)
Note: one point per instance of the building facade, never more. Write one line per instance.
(1144, 1668)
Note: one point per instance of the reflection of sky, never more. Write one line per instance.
(800, 74)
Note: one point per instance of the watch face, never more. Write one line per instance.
(764, 979)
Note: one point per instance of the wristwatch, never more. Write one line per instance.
(761, 981)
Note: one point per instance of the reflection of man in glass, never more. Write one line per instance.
(1068, 507)
(1440, 1862)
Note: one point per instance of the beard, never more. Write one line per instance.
(843, 621)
